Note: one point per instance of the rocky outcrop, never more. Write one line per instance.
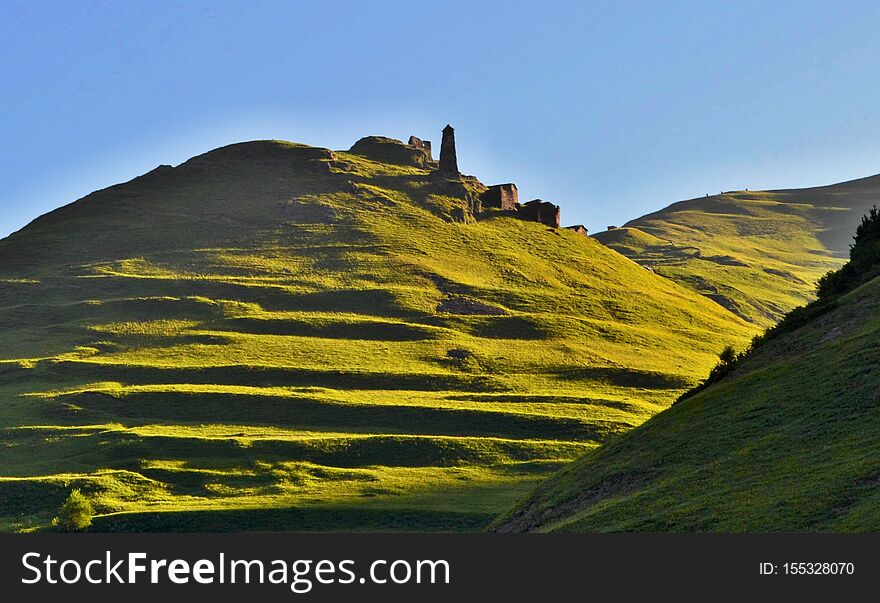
(390, 150)
(579, 229)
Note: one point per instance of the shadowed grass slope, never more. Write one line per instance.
(274, 336)
(757, 253)
(787, 442)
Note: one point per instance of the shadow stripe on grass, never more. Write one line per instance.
(308, 413)
(69, 452)
(357, 330)
(72, 371)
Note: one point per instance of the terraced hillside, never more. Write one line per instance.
(274, 336)
(788, 442)
(757, 253)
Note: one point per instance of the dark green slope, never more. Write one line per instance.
(757, 253)
(274, 336)
(789, 442)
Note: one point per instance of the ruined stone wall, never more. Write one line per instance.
(501, 196)
(424, 145)
(541, 211)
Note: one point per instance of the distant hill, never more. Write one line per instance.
(272, 336)
(757, 253)
(788, 442)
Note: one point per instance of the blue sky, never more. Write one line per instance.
(611, 109)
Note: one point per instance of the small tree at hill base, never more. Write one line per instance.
(75, 514)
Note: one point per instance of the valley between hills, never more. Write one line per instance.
(272, 336)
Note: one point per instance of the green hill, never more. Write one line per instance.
(788, 441)
(275, 336)
(757, 253)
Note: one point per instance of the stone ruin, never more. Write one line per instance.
(541, 211)
(424, 145)
(498, 196)
(448, 161)
(501, 196)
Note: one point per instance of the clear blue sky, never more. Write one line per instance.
(611, 109)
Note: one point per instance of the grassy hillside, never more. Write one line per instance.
(273, 336)
(757, 253)
(789, 441)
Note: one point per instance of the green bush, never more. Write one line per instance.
(728, 360)
(75, 514)
(794, 320)
(863, 265)
(864, 260)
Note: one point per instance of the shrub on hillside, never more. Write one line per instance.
(795, 319)
(863, 265)
(728, 360)
(864, 260)
(75, 514)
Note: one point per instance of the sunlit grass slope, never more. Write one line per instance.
(789, 442)
(277, 337)
(757, 253)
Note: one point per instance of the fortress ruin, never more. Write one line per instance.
(504, 197)
(424, 145)
(541, 211)
(501, 196)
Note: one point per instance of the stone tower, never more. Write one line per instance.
(448, 162)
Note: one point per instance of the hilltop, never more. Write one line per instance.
(276, 336)
(757, 253)
(781, 438)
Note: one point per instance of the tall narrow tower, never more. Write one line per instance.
(448, 162)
